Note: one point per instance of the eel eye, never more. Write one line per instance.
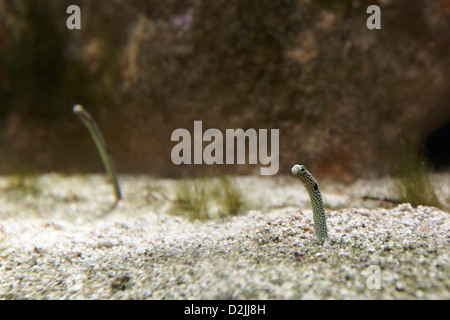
(302, 170)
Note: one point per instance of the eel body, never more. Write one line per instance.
(306, 178)
(102, 149)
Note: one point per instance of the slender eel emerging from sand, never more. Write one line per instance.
(320, 223)
(96, 135)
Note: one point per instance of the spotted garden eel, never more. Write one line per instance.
(100, 143)
(306, 178)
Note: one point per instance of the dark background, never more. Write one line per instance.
(348, 101)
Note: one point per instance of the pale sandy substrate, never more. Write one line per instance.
(62, 245)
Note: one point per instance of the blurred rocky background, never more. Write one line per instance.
(348, 101)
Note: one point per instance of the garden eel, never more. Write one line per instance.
(320, 223)
(96, 135)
